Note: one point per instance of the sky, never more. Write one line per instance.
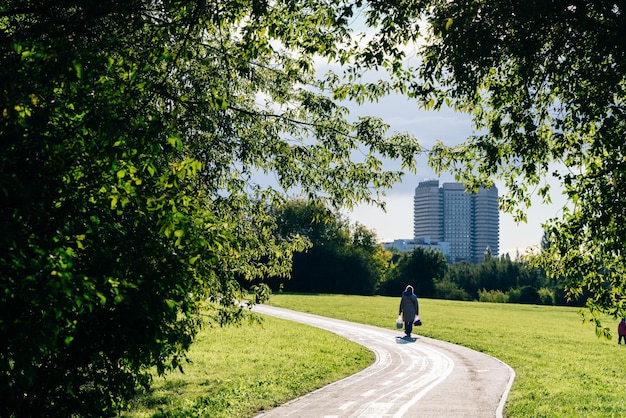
(451, 128)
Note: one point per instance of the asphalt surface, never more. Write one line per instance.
(417, 377)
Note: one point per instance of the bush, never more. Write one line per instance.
(524, 294)
(496, 296)
(546, 296)
(447, 289)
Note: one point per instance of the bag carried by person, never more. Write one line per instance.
(417, 321)
(399, 322)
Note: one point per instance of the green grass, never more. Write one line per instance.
(563, 369)
(237, 371)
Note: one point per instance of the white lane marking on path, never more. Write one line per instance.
(398, 378)
(347, 405)
(368, 393)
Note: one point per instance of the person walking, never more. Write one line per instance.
(621, 331)
(409, 307)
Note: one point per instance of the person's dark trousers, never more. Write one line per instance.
(408, 328)
(619, 341)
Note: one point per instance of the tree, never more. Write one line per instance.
(375, 259)
(342, 258)
(131, 135)
(419, 268)
(546, 84)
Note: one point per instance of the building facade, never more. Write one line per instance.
(468, 223)
(408, 245)
(428, 202)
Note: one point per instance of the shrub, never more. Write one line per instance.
(447, 289)
(524, 294)
(496, 296)
(546, 296)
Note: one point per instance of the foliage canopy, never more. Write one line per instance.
(420, 268)
(343, 258)
(131, 135)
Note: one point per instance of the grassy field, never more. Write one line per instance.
(237, 371)
(562, 369)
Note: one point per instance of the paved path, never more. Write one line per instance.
(420, 377)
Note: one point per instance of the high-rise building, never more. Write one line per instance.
(428, 202)
(458, 222)
(486, 223)
(467, 222)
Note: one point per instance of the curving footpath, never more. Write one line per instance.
(420, 377)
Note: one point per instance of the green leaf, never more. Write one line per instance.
(175, 142)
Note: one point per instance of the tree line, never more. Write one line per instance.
(346, 258)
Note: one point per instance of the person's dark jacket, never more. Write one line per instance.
(409, 307)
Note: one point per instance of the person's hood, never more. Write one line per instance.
(407, 293)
